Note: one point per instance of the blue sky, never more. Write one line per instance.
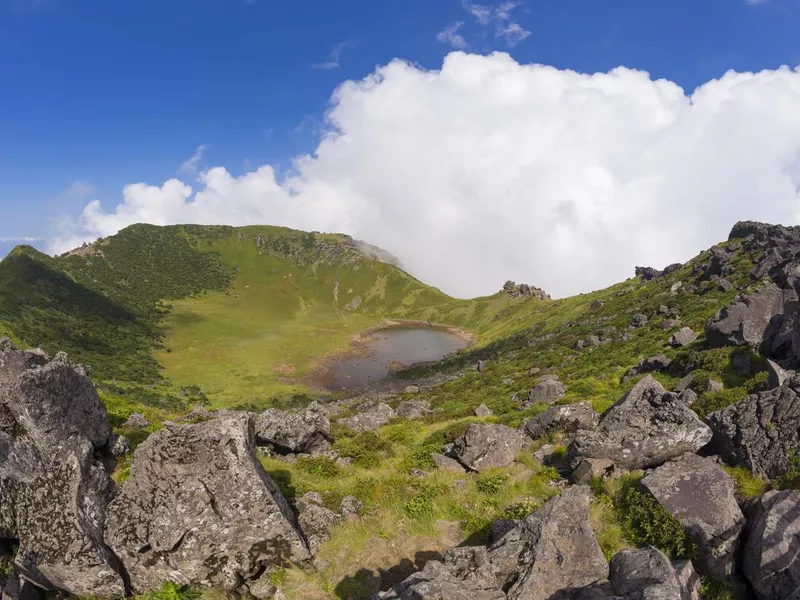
(98, 94)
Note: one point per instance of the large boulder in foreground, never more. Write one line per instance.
(53, 492)
(484, 445)
(647, 574)
(700, 494)
(569, 419)
(645, 428)
(552, 549)
(771, 557)
(761, 431)
(199, 508)
(308, 432)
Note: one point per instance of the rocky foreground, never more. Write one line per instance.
(199, 509)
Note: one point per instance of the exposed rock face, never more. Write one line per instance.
(590, 468)
(776, 376)
(647, 574)
(659, 362)
(308, 432)
(645, 428)
(462, 574)
(53, 492)
(552, 549)
(759, 432)
(568, 419)
(548, 390)
(199, 508)
(483, 445)
(683, 337)
(762, 320)
(700, 494)
(370, 416)
(771, 558)
(413, 409)
(646, 273)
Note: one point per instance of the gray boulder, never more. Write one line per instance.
(589, 468)
(700, 494)
(413, 409)
(484, 445)
(553, 549)
(647, 574)
(659, 362)
(199, 508)
(370, 417)
(308, 432)
(462, 574)
(776, 375)
(759, 432)
(53, 492)
(118, 445)
(548, 390)
(483, 411)
(136, 421)
(645, 428)
(569, 419)
(771, 557)
(315, 520)
(639, 320)
(683, 337)
(445, 463)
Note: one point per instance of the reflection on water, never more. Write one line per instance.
(406, 346)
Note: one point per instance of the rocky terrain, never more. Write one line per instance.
(642, 443)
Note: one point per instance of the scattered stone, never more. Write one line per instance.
(136, 421)
(713, 386)
(350, 507)
(197, 493)
(553, 549)
(315, 520)
(771, 557)
(658, 362)
(308, 432)
(568, 419)
(483, 411)
(645, 428)
(670, 323)
(545, 453)
(639, 320)
(759, 432)
(483, 445)
(118, 445)
(596, 305)
(776, 376)
(675, 288)
(700, 494)
(411, 389)
(685, 383)
(413, 409)
(626, 337)
(548, 390)
(589, 468)
(647, 574)
(683, 337)
(724, 285)
(445, 463)
(370, 416)
(482, 364)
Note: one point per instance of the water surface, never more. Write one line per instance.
(393, 347)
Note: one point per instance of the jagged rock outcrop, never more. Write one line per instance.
(569, 419)
(647, 574)
(485, 445)
(315, 520)
(371, 415)
(524, 290)
(546, 391)
(700, 494)
(53, 492)
(761, 431)
(659, 362)
(199, 508)
(771, 557)
(552, 549)
(645, 428)
(308, 432)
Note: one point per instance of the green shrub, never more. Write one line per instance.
(748, 485)
(490, 482)
(420, 458)
(171, 591)
(791, 480)
(714, 401)
(520, 510)
(712, 589)
(422, 501)
(366, 449)
(646, 523)
(321, 466)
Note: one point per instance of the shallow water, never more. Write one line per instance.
(406, 346)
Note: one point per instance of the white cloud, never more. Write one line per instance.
(449, 35)
(333, 59)
(191, 164)
(23, 239)
(505, 27)
(488, 170)
(78, 190)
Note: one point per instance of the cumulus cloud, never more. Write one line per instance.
(487, 170)
(449, 35)
(78, 190)
(334, 58)
(191, 164)
(505, 27)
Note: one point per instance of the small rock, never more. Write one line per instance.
(418, 473)
(482, 364)
(484, 445)
(639, 320)
(645, 574)
(548, 390)
(713, 386)
(685, 383)
(596, 305)
(724, 285)
(649, 365)
(589, 468)
(118, 445)
(371, 417)
(776, 376)
(411, 389)
(683, 337)
(445, 463)
(568, 419)
(315, 520)
(675, 287)
(483, 411)
(350, 506)
(136, 421)
(413, 409)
